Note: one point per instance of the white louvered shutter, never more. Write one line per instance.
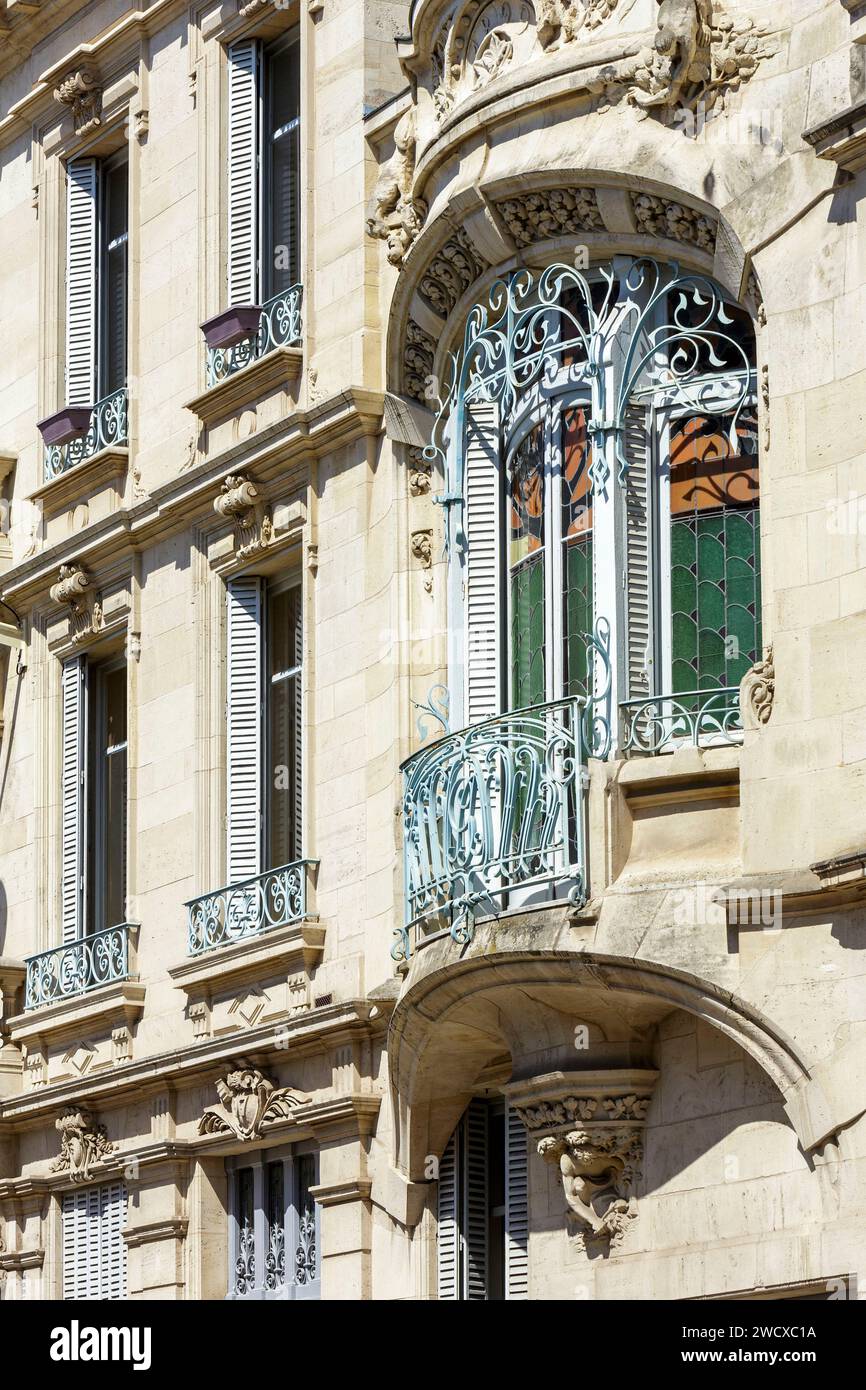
(73, 699)
(516, 1207)
(447, 1235)
(81, 202)
(475, 1202)
(483, 664)
(244, 718)
(112, 1246)
(639, 582)
(93, 1248)
(244, 67)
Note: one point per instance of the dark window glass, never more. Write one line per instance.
(496, 1205)
(107, 809)
(282, 154)
(115, 214)
(284, 727)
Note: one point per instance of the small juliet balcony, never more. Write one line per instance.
(253, 351)
(77, 968)
(276, 898)
(494, 818)
(246, 333)
(691, 718)
(105, 428)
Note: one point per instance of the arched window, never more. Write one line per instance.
(601, 439)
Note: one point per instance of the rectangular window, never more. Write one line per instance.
(263, 170)
(93, 1248)
(96, 278)
(273, 1227)
(94, 796)
(264, 774)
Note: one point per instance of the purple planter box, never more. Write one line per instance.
(65, 425)
(232, 325)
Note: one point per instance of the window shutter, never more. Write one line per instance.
(93, 1248)
(475, 1202)
(73, 692)
(447, 1233)
(81, 190)
(244, 64)
(243, 760)
(516, 1207)
(112, 1219)
(638, 524)
(483, 665)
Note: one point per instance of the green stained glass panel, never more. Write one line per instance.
(527, 633)
(715, 598)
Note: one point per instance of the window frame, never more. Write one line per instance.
(95, 797)
(106, 165)
(290, 1156)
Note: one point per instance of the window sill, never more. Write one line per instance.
(110, 1006)
(221, 977)
(264, 375)
(83, 480)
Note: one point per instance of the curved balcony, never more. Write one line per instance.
(78, 967)
(494, 815)
(700, 718)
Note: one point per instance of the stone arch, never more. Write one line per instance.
(490, 1017)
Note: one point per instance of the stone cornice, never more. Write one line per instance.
(301, 439)
(295, 1036)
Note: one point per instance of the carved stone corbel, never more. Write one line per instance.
(248, 1102)
(590, 1125)
(82, 91)
(420, 473)
(398, 215)
(757, 692)
(422, 549)
(240, 503)
(74, 588)
(83, 1142)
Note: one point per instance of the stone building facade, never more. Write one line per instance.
(433, 633)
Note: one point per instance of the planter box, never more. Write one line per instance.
(232, 325)
(65, 425)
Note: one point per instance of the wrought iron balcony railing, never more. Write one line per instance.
(279, 326)
(272, 899)
(491, 814)
(80, 966)
(665, 722)
(109, 427)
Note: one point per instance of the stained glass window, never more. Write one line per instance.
(715, 552)
(526, 534)
(576, 549)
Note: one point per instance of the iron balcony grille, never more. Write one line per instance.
(255, 905)
(109, 428)
(698, 717)
(279, 326)
(79, 966)
(494, 814)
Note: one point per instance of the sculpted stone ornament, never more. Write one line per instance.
(696, 57)
(83, 92)
(590, 1125)
(248, 1102)
(561, 21)
(550, 212)
(83, 1142)
(399, 216)
(239, 502)
(757, 692)
(598, 1168)
(74, 588)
